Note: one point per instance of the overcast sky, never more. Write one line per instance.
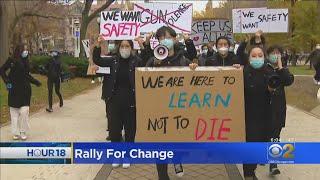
(197, 5)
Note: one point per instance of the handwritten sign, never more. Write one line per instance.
(205, 31)
(86, 46)
(180, 105)
(155, 15)
(253, 19)
(120, 25)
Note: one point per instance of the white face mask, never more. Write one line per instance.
(223, 50)
(24, 54)
(125, 52)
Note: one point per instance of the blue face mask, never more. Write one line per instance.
(273, 58)
(167, 42)
(24, 54)
(256, 63)
(111, 47)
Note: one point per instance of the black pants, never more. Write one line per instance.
(162, 170)
(123, 114)
(253, 134)
(56, 84)
(317, 75)
(108, 114)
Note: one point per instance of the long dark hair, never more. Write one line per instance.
(17, 52)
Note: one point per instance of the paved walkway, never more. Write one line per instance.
(82, 119)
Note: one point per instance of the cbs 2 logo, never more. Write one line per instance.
(285, 151)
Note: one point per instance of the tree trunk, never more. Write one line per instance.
(83, 33)
(4, 42)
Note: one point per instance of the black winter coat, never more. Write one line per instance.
(113, 62)
(278, 99)
(217, 60)
(54, 69)
(257, 104)
(19, 76)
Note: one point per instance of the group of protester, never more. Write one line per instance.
(264, 80)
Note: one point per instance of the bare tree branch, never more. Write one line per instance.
(95, 13)
(40, 15)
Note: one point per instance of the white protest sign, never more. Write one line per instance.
(103, 70)
(120, 25)
(86, 46)
(253, 19)
(204, 31)
(155, 15)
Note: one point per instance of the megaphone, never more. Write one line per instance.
(161, 52)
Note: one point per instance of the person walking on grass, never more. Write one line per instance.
(54, 70)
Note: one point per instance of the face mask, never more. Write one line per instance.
(111, 47)
(167, 42)
(223, 50)
(273, 58)
(54, 54)
(205, 51)
(256, 63)
(24, 54)
(125, 53)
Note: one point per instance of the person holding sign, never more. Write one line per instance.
(120, 94)
(223, 57)
(278, 98)
(257, 92)
(167, 37)
(257, 40)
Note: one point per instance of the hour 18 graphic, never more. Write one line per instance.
(281, 152)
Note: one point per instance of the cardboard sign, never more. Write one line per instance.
(86, 46)
(176, 104)
(156, 15)
(253, 19)
(205, 31)
(120, 25)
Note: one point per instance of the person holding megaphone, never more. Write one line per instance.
(168, 53)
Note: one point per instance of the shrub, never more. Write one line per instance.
(76, 66)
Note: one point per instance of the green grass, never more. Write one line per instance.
(39, 98)
(301, 70)
(303, 93)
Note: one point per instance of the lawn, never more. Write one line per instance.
(39, 97)
(303, 93)
(301, 70)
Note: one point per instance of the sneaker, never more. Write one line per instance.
(115, 165)
(125, 165)
(15, 137)
(178, 169)
(23, 136)
(49, 110)
(92, 82)
(274, 171)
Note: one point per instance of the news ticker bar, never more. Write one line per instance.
(150, 153)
